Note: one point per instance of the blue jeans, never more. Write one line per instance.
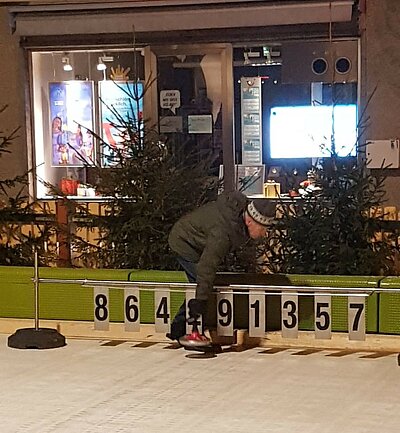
(178, 324)
(189, 268)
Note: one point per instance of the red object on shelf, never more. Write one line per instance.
(69, 186)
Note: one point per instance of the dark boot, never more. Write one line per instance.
(178, 325)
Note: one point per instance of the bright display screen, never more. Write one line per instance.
(307, 131)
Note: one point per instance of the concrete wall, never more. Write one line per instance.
(381, 62)
(12, 88)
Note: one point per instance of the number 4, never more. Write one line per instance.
(162, 311)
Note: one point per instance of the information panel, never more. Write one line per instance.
(251, 120)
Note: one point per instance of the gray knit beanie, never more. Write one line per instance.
(262, 211)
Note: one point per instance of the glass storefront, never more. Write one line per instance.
(71, 94)
(254, 108)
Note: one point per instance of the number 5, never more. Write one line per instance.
(323, 317)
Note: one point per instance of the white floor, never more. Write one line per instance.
(89, 387)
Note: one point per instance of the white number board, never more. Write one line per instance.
(225, 314)
(191, 294)
(162, 311)
(256, 314)
(290, 316)
(356, 318)
(101, 308)
(132, 310)
(322, 317)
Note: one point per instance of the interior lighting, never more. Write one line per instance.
(101, 64)
(66, 64)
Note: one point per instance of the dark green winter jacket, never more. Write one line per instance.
(206, 235)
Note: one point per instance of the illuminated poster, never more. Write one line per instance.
(71, 122)
(121, 102)
(248, 178)
(251, 120)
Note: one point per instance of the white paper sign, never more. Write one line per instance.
(170, 99)
(200, 124)
(170, 124)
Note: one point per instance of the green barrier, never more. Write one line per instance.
(306, 303)
(339, 303)
(74, 302)
(389, 307)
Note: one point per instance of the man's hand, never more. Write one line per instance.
(197, 307)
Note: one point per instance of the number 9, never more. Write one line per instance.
(225, 312)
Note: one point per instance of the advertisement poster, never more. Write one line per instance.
(248, 178)
(120, 102)
(71, 120)
(251, 120)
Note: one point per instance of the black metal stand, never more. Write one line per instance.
(36, 338)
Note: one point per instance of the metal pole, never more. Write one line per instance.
(237, 288)
(36, 338)
(36, 289)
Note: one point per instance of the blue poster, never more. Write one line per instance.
(121, 103)
(71, 117)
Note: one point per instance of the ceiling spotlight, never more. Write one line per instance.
(101, 64)
(66, 64)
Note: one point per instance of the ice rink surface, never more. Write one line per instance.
(96, 386)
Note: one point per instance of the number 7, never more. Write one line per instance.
(360, 308)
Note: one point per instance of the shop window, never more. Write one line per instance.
(190, 113)
(292, 109)
(72, 93)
